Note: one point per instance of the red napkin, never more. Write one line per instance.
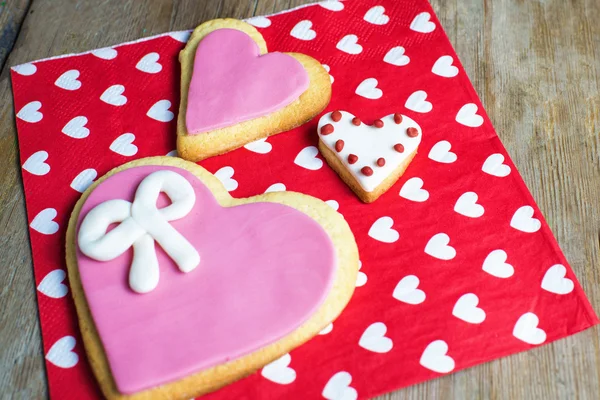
(458, 265)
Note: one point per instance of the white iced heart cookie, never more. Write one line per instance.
(369, 158)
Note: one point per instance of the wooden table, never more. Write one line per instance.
(536, 67)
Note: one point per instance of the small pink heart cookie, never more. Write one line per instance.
(233, 92)
(369, 158)
(181, 289)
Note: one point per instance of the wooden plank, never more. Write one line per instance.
(537, 71)
(12, 14)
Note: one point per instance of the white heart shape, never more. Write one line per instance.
(106, 53)
(349, 44)
(84, 179)
(333, 204)
(61, 353)
(172, 153)
(412, 190)
(76, 129)
(441, 153)
(124, 146)
(302, 30)
(279, 371)
(30, 113)
(435, 357)
(376, 15)
(407, 290)
(327, 329)
(467, 205)
(276, 187)
(327, 68)
(493, 165)
(68, 80)
(181, 36)
(495, 264)
(368, 89)
(421, 23)
(52, 285)
(467, 310)
(382, 231)
(374, 339)
(307, 158)
(523, 220)
(527, 331)
(36, 164)
(395, 56)
(332, 5)
(555, 281)
(149, 63)
(44, 222)
(25, 69)
(259, 22)
(417, 102)
(361, 277)
(260, 146)
(225, 175)
(338, 387)
(443, 67)
(160, 111)
(467, 116)
(438, 247)
(114, 95)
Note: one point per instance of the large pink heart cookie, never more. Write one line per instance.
(169, 292)
(233, 92)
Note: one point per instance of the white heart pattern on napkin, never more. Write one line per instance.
(443, 67)
(225, 175)
(259, 22)
(279, 371)
(333, 204)
(349, 44)
(181, 36)
(61, 353)
(260, 146)
(68, 80)
(276, 187)
(30, 112)
(327, 329)
(555, 280)
(302, 30)
(395, 56)
(149, 63)
(76, 128)
(435, 357)
(307, 158)
(441, 153)
(467, 205)
(413, 190)
(106, 53)
(160, 111)
(493, 165)
(338, 387)
(523, 220)
(332, 5)
(466, 309)
(382, 231)
(376, 15)
(36, 163)
(526, 329)
(124, 146)
(114, 95)
(407, 290)
(84, 179)
(25, 69)
(421, 23)
(438, 247)
(361, 277)
(374, 339)
(369, 90)
(417, 102)
(495, 264)
(328, 69)
(467, 116)
(52, 285)
(44, 222)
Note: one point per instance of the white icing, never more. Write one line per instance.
(369, 144)
(140, 224)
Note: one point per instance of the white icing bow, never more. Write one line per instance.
(140, 224)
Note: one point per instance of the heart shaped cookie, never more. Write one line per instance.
(181, 289)
(233, 92)
(369, 158)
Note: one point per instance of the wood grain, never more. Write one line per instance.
(535, 65)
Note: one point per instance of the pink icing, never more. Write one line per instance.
(265, 269)
(232, 82)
